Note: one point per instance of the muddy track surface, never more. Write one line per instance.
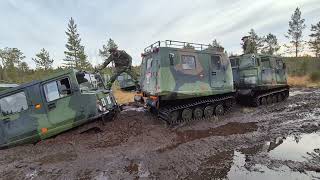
(279, 141)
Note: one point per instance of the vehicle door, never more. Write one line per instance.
(58, 94)
(217, 72)
(280, 72)
(19, 118)
(266, 70)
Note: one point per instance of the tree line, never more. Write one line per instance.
(13, 67)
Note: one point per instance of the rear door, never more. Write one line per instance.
(266, 70)
(280, 72)
(217, 72)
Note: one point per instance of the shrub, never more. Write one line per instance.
(315, 76)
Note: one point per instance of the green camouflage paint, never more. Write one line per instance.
(258, 71)
(185, 72)
(51, 106)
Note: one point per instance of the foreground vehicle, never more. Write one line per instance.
(260, 79)
(181, 81)
(41, 109)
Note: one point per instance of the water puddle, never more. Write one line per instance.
(296, 148)
(283, 158)
(294, 93)
(261, 172)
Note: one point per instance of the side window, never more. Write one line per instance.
(216, 62)
(149, 63)
(279, 64)
(188, 62)
(57, 89)
(265, 62)
(13, 104)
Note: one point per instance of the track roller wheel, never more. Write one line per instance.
(186, 114)
(269, 99)
(264, 101)
(219, 110)
(256, 102)
(208, 111)
(197, 113)
(274, 99)
(280, 98)
(173, 117)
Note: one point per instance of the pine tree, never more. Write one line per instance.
(315, 39)
(104, 52)
(75, 55)
(271, 45)
(10, 58)
(43, 60)
(252, 43)
(296, 25)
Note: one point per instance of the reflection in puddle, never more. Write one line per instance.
(265, 161)
(295, 148)
(238, 171)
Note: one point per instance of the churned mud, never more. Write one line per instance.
(279, 141)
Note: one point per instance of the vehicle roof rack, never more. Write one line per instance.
(177, 44)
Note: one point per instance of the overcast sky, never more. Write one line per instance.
(134, 24)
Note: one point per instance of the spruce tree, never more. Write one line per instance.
(252, 43)
(43, 60)
(271, 45)
(75, 55)
(296, 26)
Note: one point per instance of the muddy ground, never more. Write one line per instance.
(280, 141)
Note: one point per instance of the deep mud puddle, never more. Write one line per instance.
(283, 158)
(297, 147)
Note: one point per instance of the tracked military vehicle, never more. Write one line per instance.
(41, 109)
(259, 79)
(182, 81)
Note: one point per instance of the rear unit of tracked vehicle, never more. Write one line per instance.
(259, 79)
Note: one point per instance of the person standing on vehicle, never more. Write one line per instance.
(122, 63)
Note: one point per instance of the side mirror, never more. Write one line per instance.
(171, 56)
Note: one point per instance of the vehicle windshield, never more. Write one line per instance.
(247, 62)
(88, 81)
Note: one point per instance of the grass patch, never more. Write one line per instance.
(315, 76)
(303, 81)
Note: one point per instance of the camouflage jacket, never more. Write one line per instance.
(121, 60)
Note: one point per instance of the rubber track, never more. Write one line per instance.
(273, 92)
(163, 113)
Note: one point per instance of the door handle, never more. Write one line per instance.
(51, 106)
(214, 73)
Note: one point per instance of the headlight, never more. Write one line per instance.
(250, 80)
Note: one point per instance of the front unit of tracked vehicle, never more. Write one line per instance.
(197, 76)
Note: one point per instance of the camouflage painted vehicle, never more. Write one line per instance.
(182, 81)
(41, 109)
(4, 86)
(126, 82)
(260, 79)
